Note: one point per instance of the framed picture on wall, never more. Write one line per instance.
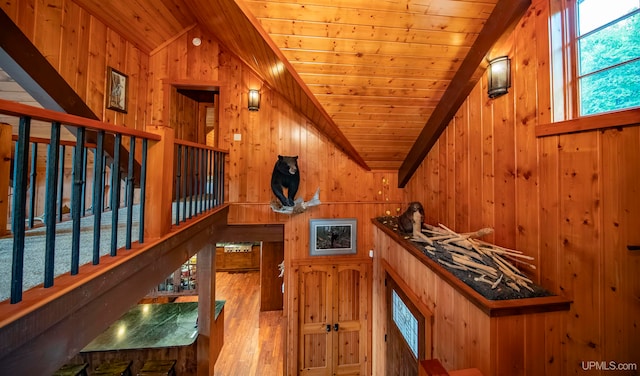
(117, 89)
(332, 236)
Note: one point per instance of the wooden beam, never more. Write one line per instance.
(52, 325)
(36, 75)
(504, 17)
(251, 233)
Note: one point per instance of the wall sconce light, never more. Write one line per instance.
(254, 100)
(499, 76)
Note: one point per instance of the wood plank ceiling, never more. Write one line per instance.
(369, 74)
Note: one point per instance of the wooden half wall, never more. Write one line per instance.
(570, 200)
(51, 325)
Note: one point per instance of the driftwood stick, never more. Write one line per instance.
(506, 252)
(462, 251)
(513, 286)
(496, 283)
(467, 253)
(494, 246)
(488, 269)
(512, 269)
(454, 266)
(483, 278)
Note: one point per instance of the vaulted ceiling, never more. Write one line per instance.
(381, 78)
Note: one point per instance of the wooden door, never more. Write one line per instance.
(406, 340)
(333, 304)
(315, 327)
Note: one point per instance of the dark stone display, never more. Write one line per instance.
(501, 292)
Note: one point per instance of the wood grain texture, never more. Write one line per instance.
(63, 32)
(565, 199)
(463, 335)
(254, 340)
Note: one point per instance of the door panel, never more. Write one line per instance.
(314, 346)
(333, 302)
(347, 348)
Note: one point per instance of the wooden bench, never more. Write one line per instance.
(72, 370)
(158, 368)
(115, 368)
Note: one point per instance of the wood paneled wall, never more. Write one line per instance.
(346, 190)
(572, 201)
(463, 335)
(80, 47)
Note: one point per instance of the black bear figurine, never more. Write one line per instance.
(285, 175)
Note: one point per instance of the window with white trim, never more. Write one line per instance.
(603, 37)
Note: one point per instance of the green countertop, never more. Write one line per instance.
(150, 326)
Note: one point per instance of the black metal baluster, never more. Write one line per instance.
(203, 178)
(212, 177)
(61, 183)
(219, 176)
(95, 180)
(51, 182)
(83, 196)
(76, 193)
(207, 175)
(197, 177)
(191, 175)
(143, 190)
(98, 193)
(19, 207)
(178, 182)
(103, 181)
(185, 174)
(115, 194)
(32, 183)
(215, 178)
(130, 184)
(15, 182)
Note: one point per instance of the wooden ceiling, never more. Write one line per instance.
(381, 78)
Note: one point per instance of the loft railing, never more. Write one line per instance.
(117, 198)
(198, 179)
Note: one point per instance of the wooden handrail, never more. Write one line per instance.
(200, 146)
(35, 113)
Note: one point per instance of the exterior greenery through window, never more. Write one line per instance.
(608, 55)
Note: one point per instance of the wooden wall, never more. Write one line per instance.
(80, 47)
(570, 200)
(346, 190)
(463, 336)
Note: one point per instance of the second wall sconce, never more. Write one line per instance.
(254, 100)
(499, 76)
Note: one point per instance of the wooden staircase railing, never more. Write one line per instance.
(45, 326)
(197, 179)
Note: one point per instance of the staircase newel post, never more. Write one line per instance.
(160, 183)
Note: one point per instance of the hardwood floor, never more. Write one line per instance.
(253, 340)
